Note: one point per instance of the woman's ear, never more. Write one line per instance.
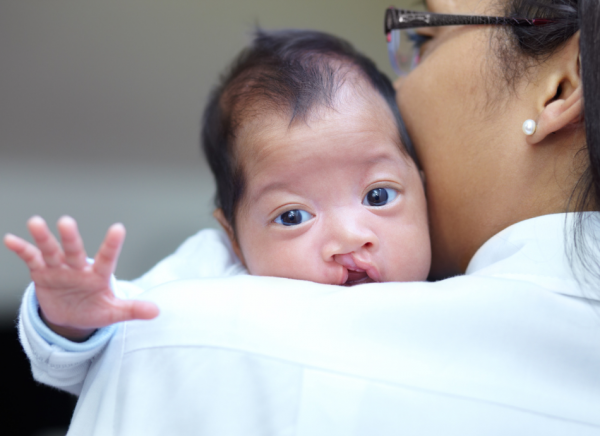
(558, 115)
(562, 104)
(220, 217)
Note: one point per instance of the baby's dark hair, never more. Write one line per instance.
(288, 72)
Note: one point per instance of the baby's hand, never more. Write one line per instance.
(75, 297)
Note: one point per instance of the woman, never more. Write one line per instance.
(509, 348)
(465, 106)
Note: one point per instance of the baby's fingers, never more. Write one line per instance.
(105, 261)
(27, 252)
(46, 242)
(72, 244)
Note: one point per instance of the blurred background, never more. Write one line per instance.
(100, 102)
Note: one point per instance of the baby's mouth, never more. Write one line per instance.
(357, 277)
(357, 270)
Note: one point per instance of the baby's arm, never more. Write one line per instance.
(77, 300)
(63, 364)
(75, 297)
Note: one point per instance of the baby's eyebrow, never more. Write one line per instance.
(387, 157)
(269, 187)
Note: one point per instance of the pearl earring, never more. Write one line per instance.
(529, 127)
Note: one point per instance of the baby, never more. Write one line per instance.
(316, 180)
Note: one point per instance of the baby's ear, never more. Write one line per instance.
(220, 217)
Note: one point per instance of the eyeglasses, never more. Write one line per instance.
(404, 44)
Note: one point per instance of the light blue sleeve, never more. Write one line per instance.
(96, 341)
(55, 360)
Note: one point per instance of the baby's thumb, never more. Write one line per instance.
(136, 309)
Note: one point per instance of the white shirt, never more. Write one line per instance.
(513, 347)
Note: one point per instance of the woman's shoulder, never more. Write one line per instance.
(536, 252)
(500, 346)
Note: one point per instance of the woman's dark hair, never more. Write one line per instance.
(538, 43)
(288, 72)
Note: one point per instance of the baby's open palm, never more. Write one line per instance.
(75, 296)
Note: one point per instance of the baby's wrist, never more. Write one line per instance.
(71, 333)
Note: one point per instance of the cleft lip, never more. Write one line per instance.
(353, 280)
(357, 271)
(354, 276)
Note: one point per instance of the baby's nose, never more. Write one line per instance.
(346, 236)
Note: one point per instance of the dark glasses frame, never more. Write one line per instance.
(405, 19)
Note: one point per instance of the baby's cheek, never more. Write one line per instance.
(271, 260)
(419, 268)
(291, 264)
(418, 239)
(412, 255)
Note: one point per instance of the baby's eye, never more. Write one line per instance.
(293, 217)
(379, 197)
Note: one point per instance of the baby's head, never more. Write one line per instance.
(316, 177)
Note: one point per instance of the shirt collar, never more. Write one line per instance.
(541, 250)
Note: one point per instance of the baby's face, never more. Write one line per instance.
(333, 200)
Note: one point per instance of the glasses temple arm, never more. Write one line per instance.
(403, 19)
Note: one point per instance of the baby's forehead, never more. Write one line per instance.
(356, 134)
(355, 102)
